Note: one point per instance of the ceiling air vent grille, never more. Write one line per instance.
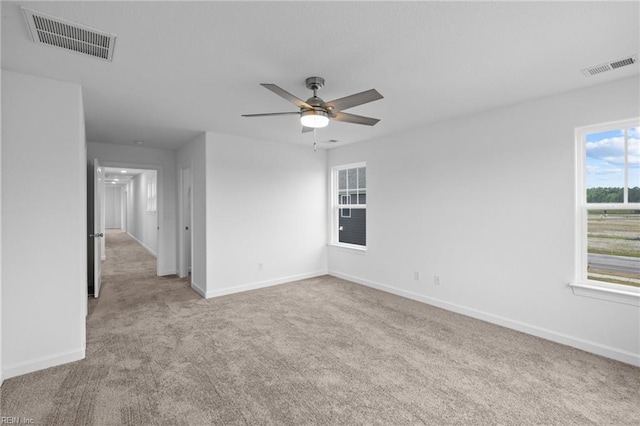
(67, 35)
(622, 63)
(609, 66)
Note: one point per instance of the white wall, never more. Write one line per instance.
(130, 213)
(44, 234)
(486, 202)
(1, 370)
(266, 203)
(144, 223)
(141, 158)
(150, 233)
(113, 206)
(192, 154)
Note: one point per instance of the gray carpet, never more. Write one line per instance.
(314, 352)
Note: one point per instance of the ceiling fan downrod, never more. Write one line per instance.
(314, 83)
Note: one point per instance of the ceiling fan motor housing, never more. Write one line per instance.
(315, 102)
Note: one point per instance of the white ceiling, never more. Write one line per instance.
(180, 68)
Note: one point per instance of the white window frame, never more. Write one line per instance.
(336, 206)
(582, 286)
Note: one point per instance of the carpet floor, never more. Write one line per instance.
(321, 351)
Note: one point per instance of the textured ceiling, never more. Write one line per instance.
(180, 68)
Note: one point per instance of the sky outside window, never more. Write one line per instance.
(605, 159)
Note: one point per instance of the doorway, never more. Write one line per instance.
(134, 191)
(131, 202)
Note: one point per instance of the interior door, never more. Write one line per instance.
(98, 230)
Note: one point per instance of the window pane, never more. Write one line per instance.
(352, 230)
(343, 198)
(342, 179)
(351, 192)
(605, 167)
(614, 246)
(362, 177)
(352, 178)
(633, 162)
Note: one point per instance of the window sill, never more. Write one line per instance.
(611, 292)
(349, 247)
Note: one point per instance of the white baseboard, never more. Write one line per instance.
(144, 246)
(585, 345)
(161, 273)
(261, 284)
(198, 289)
(42, 363)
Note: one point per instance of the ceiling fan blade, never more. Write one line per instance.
(306, 129)
(355, 119)
(270, 113)
(288, 96)
(355, 100)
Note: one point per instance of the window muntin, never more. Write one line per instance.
(609, 205)
(349, 206)
(633, 171)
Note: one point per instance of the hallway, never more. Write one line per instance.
(129, 280)
(125, 326)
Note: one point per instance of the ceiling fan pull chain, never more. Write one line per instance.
(315, 140)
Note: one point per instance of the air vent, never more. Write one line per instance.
(67, 35)
(609, 66)
(622, 63)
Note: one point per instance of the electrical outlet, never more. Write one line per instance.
(416, 275)
(259, 266)
(436, 280)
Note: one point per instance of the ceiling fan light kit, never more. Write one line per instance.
(314, 119)
(316, 113)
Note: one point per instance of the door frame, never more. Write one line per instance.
(162, 231)
(183, 266)
(97, 234)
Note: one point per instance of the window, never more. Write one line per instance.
(152, 196)
(349, 205)
(608, 200)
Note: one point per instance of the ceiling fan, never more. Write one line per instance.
(316, 113)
